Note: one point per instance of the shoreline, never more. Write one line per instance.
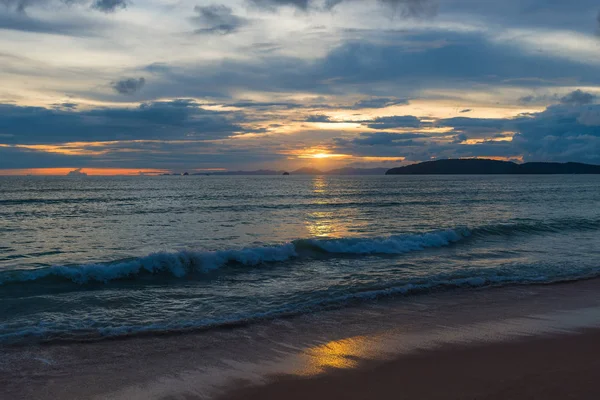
(305, 354)
(556, 366)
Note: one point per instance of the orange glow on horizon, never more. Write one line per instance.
(88, 171)
(324, 155)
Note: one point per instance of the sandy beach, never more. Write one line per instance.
(529, 342)
(545, 367)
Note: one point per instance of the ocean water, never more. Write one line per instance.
(96, 257)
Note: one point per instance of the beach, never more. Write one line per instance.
(517, 342)
(252, 287)
(542, 367)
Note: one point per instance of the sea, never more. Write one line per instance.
(93, 258)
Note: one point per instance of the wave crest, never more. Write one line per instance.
(183, 263)
(180, 264)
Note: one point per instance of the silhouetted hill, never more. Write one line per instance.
(481, 166)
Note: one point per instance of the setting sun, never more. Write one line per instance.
(327, 155)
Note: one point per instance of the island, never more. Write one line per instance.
(484, 166)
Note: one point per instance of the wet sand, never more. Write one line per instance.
(556, 367)
(524, 342)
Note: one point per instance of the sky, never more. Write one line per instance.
(129, 86)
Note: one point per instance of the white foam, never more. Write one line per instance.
(179, 264)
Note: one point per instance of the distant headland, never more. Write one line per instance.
(489, 167)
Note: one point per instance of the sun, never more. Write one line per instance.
(323, 155)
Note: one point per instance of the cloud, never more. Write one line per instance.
(407, 8)
(383, 144)
(526, 99)
(414, 8)
(563, 132)
(466, 110)
(109, 6)
(578, 97)
(20, 21)
(387, 138)
(128, 86)
(273, 4)
(318, 118)
(560, 133)
(106, 6)
(19, 5)
(65, 106)
(217, 18)
(266, 105)
(163, 120)
(379, 103)
(378, 69)
(466, 123)
(404, 121)
(168, 154)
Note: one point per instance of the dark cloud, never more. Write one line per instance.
(25, 23)
(20, 5)
(475, 127)
(157, 68)
(109, 6)
(165, 120)
(128, 85)
(417, 8)
(17, 157)
(407, 8)
(404, 121)
(526, 99)
(378, 69)
(217, 18)
(578, 98)
(266, 105)
(561, 133)
(106, 6)
(465, 123)
(466, 110)
(388, 138)
(65, 106)
(272, 4)
(539, 99)
(184, 154)
(381, 102)
(382, 144)
(318, 118)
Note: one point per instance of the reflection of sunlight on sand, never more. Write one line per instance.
(209, 377)
(340, 354)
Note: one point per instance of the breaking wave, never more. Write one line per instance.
(182, 263)
(437, 283)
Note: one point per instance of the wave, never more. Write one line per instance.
(183, 263)
(439, 283)
(180, 264)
